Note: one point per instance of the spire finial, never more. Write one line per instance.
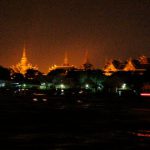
(66, 59)
(24, 50)
(24, 58)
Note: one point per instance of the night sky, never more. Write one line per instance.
(108, 29)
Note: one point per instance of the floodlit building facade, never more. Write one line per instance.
(23, 65)
(139, 65)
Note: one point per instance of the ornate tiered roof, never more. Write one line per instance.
(23, 65)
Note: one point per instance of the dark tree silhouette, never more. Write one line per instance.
(4, 73)
(32, 74)
(17, 77)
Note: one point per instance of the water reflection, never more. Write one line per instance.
(141, 133)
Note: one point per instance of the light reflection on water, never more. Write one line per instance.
(141, 133)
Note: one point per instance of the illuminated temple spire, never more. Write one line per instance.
(23, 65)
(24, 58)
(66, 63)
(24, 51)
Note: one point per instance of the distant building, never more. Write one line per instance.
(64, 66)
(112, 66)
(144, 60)
(23, 65)
(132, 65)
(137, 65)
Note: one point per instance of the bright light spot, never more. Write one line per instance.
(145, 94)
(2, 85)
(62, 86)
(24, 85)
(124, 86)
(42, 87)
(87, 86)
(142, 133)
(35, 99)
(62, 92)
(44, 99)
(43, 84)
(80, 92)
(99, 87)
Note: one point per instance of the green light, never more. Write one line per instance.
(24, 85)
(86, 86)
(42, 87)
(62, 86)
(43, 84)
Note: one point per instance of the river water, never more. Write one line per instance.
(98, 123)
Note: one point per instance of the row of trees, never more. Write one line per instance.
(72, 78)
(78, 78)
(9, 74)
(31, 74)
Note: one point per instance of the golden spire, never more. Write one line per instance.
(23, 65)
(24, 51)
(24, 58)
(66, 59)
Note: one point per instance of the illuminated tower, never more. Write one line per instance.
(23, 65)
(130, 66)
(24, 60)
(66, 63)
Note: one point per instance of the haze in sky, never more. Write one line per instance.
(108, 29)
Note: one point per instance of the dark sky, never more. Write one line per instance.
(107, 29)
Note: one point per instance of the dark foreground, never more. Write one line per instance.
(68, 123)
